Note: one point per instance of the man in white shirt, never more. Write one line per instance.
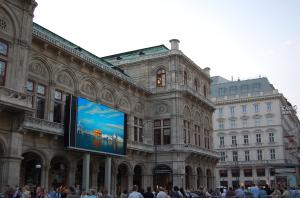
(161, 193)
(135, 193)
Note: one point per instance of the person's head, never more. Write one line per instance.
(176, 188)
(149, 189)
(161, 188)
(125, 191)
(135, 188)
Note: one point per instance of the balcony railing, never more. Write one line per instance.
(44, 126)
(15, 99)
(140, 146)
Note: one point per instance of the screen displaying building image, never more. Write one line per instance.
(99, 128)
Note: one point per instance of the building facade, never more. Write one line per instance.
(162, 91)
(256, 140)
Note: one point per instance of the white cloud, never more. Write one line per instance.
(115, 126)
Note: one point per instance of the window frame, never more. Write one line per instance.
(161, 80)
(4, 73)
(7, 47)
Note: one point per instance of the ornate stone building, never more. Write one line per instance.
(163, 92)
(257, 141)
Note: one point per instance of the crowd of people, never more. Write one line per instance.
(262, 191)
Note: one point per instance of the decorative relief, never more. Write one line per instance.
(64, 79)
(124, 103)
(161, 108)
(107, 96)
(39, 69)
(88, 88)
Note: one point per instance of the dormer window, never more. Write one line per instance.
(161, 78)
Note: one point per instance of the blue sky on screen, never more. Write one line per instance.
(94, 116)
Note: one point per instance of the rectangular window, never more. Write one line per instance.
(247, 155)
(272, 154)
(30, 86)
(234, 156)
(235, 172)
(244, 108)
(138, 129)
(257, 122)
(232, 124)
(197, 135)
(41, 89)
(246, 139)
(222, 91)
(220, 110)
(3, 48)
(223, 173)
(256, 108)
(187, 132)
(157, 136)
(231, 110)
(269, 121)
(57, 95)
(233, 140)
(2, 72)
(222, 141)
(233, 90)
(259, 154)
(222, 156)
(221, 124)
(260, 172)
(248, 172)
(162, 131)
(269, 106)
(271, 137)
(40, 108)
(258, 138)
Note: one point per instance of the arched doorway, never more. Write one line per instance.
(31, 169)
(199, 177)
(162, 176)
(122, 178)
(209, 179)
(58, 175)
(188, 177)
(137, 176)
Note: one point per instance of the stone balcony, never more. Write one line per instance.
(43, 126)
(251, 163)
(139, 146)
(15, 100)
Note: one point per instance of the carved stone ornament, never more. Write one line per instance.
(124, 103)
(39, 69)
(64, 79)
(107, 96)
(160, 108)
(88, 88)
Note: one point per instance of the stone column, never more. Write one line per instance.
(108, 179)
(71, 174)
(86, 171)
(11, 170)
(45, 177)
(130, 180)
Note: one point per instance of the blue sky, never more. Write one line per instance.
(92, 116)
(235, 38)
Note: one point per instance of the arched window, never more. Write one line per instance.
(161, 78)
(184, 78)
(196, 85)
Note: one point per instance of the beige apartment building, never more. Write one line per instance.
(256, 132)
(162, 91)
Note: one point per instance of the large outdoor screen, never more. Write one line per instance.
(94, 127)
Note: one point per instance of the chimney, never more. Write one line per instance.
(174, 44)
(206, 70)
